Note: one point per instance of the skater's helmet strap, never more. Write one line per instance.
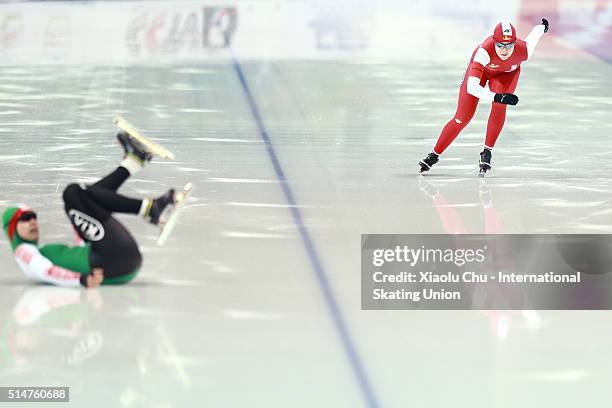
(10, 218)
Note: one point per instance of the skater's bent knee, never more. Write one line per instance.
(461, 121)
(71, 191)
(463, 116)
(499, 107)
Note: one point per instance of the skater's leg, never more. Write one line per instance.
(114, 202)
(130, 166)
(150, 209)
(104, 192)
(95, 203)
(114, 180)
(505, 83)
(466, 107)
(497, 118)
(78, 202)
(117, 254)
(135, 156)
(112, 247)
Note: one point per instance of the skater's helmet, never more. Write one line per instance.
(504, 33)
(10, 218)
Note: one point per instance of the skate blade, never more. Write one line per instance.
(168, 222)
(149, 144)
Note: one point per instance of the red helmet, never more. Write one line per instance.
(504, 32)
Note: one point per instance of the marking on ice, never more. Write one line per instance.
(67, 147)
(228, 140)
(272, 205)
(191, 110)
(258, 235)
(321, 274)
(239, 180)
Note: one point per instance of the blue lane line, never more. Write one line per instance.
(330, 300)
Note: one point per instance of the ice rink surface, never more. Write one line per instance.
(255, 300)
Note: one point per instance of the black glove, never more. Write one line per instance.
(545, 22)
(507, 98)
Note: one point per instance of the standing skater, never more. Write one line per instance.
(109, 254)
(496, 61)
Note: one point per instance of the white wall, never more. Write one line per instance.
(149, 31)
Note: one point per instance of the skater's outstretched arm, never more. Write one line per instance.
(534, 37)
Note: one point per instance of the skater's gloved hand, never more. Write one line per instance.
(94, 279)
(506, 98)
(545, 23)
